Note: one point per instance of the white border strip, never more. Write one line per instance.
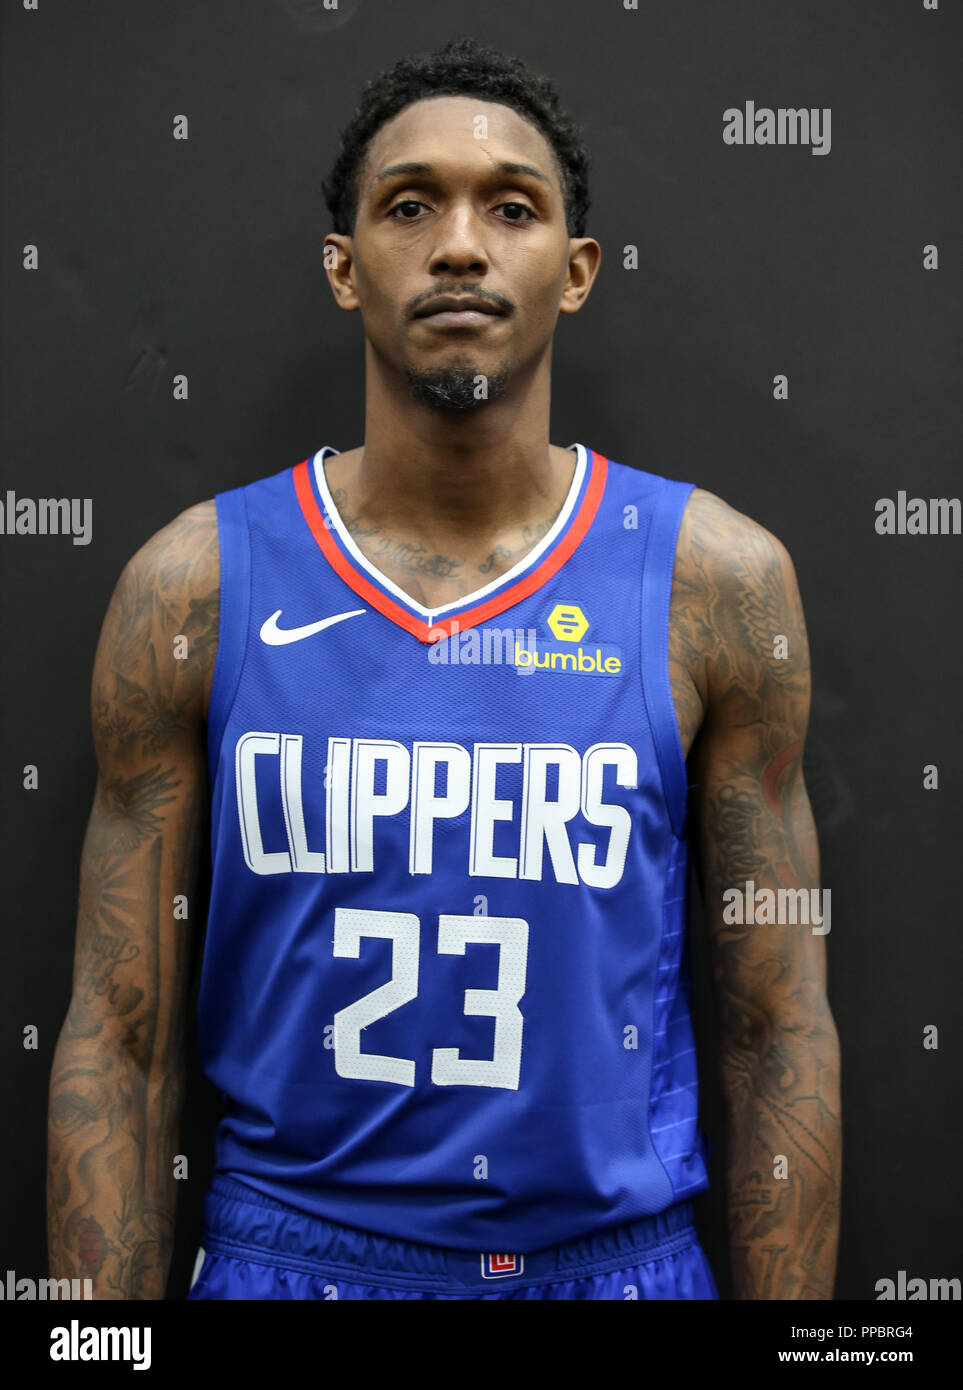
(525, 563)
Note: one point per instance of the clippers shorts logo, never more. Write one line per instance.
(500, 1266)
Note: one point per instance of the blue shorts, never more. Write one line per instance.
(256, 1248)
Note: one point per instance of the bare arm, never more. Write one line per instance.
(779, 1051)
(117, 1075)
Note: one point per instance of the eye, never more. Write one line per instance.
(523, 206)
(414, 203)
(406, 203)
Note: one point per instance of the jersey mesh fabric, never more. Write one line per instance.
(579, 1109)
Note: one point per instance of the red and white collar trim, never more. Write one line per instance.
(428, 625)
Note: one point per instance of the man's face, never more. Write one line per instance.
(462, 224)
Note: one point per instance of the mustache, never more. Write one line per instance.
(498, 302)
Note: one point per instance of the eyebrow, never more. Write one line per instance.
(417, 167)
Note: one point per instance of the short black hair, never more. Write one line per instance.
(463, 67)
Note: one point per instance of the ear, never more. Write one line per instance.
(339, 265)
(585, 255)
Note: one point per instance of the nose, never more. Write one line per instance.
(460, 245)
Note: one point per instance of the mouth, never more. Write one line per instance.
(458, 311)
(459, 318)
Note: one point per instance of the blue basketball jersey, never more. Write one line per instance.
(445, 981)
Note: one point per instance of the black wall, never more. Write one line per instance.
(159, 257)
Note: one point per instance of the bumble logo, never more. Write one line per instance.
(568, 624)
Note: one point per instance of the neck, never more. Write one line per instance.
(452, 475)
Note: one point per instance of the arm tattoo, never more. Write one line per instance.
(738, 636)
(116, 1081)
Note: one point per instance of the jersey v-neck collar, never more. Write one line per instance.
(429, 624)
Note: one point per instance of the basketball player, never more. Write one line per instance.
(442, 688)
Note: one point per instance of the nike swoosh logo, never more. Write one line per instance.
(279, 636)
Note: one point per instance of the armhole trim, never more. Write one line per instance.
(233, 617)
(658, 568)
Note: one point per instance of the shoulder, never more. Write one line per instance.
(189, 536)
(181, 561)
(159, 637)
(736, 616)
(177, 572)
(727, 552)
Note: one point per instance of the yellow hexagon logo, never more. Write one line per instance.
(568, 622)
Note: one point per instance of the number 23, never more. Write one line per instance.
(448, 1067)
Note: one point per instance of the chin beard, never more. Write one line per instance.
(454, 388)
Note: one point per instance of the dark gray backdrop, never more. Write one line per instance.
(159, 257)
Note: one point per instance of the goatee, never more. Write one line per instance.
(455, 388)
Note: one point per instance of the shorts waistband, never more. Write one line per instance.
(248, 1225)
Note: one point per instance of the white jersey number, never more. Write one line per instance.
(448, 1067)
